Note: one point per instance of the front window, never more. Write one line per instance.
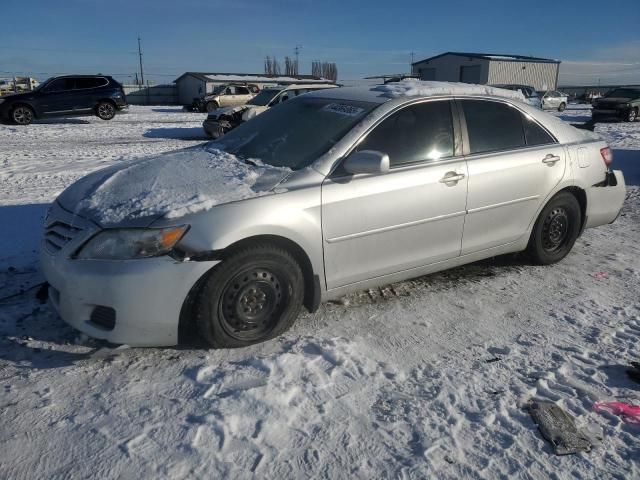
(294, 134)
(623, 93)
(263, 98)
(416, 133)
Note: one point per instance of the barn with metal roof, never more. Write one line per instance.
(489, 69)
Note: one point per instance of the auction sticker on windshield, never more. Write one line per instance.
(342, 109)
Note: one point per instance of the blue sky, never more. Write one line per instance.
(595, 40)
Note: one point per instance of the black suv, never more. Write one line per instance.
(68, 96)
(622, 103)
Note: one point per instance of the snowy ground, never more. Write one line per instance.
(423, 379)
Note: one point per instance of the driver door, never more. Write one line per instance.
(378, 224)
(58, 96)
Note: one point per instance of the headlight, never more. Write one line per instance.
(126, 244)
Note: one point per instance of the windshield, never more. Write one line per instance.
(295, 133)
(624, 93)
(264, 97)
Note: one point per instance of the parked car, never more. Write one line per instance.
(530, 94)
(67, 96)
(226, 95)
(222, 120)
(333, 192)
(554, 100)
(621, 103)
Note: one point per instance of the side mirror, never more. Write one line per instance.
(367, 161)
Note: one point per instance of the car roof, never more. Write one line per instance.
(413, 88)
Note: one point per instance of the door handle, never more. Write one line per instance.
(551, 159)
(452, 177)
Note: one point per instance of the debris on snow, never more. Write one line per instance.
(558, 428)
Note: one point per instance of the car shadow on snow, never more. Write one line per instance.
(61, 121)
(629, 162)
(187, 133)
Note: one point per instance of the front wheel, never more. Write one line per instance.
(632, 116)
(253, 295)
(22, 115)
(211, 106)
(105, 110)
(555, 230)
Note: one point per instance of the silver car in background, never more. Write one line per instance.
(332, 192)
(553, 100)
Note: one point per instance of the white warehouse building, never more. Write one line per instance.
(489, 69)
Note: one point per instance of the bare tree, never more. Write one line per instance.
(290, 67)
(327, 70)
(271, 66)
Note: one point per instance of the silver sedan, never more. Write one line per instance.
(329, 193)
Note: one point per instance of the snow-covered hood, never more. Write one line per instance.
(218, 112)
(170, 185)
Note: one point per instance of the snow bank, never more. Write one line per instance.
(411, 87)
(177, 184)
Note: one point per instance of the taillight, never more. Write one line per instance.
(607, 156)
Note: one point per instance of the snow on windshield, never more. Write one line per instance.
(412, 87)
(179, 183)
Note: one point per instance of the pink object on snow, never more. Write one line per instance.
(631, 413)
(600, 275)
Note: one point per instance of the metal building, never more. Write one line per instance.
(489, 69)
(192, 85)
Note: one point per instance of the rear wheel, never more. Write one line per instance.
(211, 106)
(252, 296)
(22, 115)
(106, 110)
(562, 107)
(555, 230)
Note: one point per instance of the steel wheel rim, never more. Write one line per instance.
(105, 110)
(632, 115)
(22, 115)
(555, 230)
(252, 303)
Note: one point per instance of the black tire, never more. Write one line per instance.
(555, 230)
(562, 107)
(632, 115)
(211, 106)
(105, 110)
(22, 115)
(253, 295)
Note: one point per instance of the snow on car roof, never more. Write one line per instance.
(415, 88)
(419, 88)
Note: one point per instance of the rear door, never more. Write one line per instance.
(514, 163)
(374, 225)
(228, 96)
(85, 92)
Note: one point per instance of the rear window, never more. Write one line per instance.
(90, 82)
(494, 126)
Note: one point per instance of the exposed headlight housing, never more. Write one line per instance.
(131, 243)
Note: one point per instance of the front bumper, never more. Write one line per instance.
(610, 112)
(146, 294)
(215, 128)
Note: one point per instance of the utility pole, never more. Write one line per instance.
(297, 52)
(140, 55)
(412, 59)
